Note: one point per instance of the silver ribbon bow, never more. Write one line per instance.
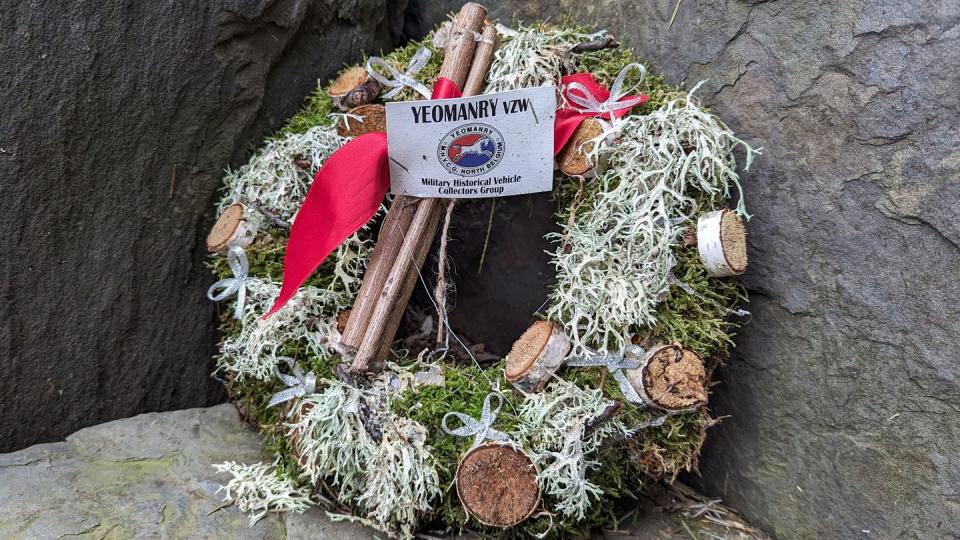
(615, 364)
(589, 103)
(480, 429)
(298, 384)
(396, 80)
(237, 285)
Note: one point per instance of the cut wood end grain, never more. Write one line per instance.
(362, 120)
(733, 238)
(573, 160)
(231, 228)
(347, 81)
(721, 241)
(536, 355)
(497, 485)
(672, 378)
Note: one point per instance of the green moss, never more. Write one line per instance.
(464, 390)
(316, 112)
(265, 257)
(700, 321)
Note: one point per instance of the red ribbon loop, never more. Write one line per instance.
(569, 117)
(345, 194)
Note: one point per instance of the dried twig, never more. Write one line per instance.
(605, 42)
(271, 217)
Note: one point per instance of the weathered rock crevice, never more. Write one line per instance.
(119, 120)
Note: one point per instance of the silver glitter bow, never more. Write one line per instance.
(298, 384)
(480, 429)
(237, 285)
(615, 364)
(396, 80)
(587, 102)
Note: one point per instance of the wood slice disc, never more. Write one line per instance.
(372, 118)
(536, 355)
(497, 485)
(733, 238)
(573, 158)
(671, 378)
(231, 228)
(347, 81)
(722, 243)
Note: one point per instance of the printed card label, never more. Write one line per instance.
(484, 146)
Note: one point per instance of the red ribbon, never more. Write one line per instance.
(351, 184)
(345, 194)
(569, 118)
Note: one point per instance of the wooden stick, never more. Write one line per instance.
(477, 79)
(385, 252)
(400, 280)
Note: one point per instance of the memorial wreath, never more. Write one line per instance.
(605, 391)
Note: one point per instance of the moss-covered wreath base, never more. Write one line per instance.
(627, 275)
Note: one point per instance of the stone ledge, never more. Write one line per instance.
(150, 476)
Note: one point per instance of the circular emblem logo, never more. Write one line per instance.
(471, 150)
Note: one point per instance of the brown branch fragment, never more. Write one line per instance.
(605, 42)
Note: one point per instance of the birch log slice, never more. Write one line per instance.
(534, 357)
(671, 378)
(231, 229)
(362, 120)
(345, 83)
(722, 243)
(497, 485)
(573, 159)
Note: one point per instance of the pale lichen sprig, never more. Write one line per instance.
(308, 319)
(330, 439)
(403, 481)
(279, 176)
(257, 489)
(692, 146)
(553, 429)
(392, 482)
(613, 265)
(615, 256)
(534, 56)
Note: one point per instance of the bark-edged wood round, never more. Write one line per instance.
(671, 378)
(231, 229)
(722, 243)
(573, 159)
(497, 485)
(536, 355)
(362, 120)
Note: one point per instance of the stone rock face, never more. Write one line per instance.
(844, 389)
(118, 120)
(145, 477)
